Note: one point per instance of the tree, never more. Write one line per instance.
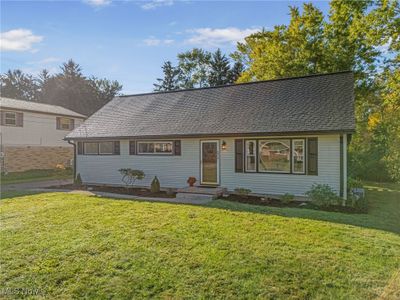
(220, 70)
(351, 37)
(18, 85)
(171, 78)
(72, 90)
(194, 67)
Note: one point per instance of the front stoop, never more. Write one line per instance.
(200, 193)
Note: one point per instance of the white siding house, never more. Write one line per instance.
(31, 134)
(173, 171)
(272, 137)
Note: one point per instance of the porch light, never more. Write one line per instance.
(223, 146)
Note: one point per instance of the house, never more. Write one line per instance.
(272, 137)
(31, 135)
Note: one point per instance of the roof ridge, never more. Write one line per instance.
(237, 84)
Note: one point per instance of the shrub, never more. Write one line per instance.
(287, 198)
(155, 185)
(242, 191)
(129, 176)
(78, 180)
(353, 183)
(323, 195)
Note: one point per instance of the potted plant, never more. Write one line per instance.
(191, 180)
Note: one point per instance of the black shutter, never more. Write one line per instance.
(116, 148)
(58, 123)
(80, 148)
(71, 124)
(3, 118)
(312, 156)
(239, 166)
(20, 119)
(177, 147)
(132, 147)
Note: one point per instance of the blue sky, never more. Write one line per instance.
(126, 40)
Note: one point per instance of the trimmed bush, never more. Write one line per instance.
(155, 185)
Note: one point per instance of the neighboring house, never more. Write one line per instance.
(272, 137)
(32, 135)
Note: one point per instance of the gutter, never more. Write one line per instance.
(73, 144)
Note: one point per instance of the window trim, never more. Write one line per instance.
(138, 142)
(98, 153)
(59, 120)
(303, 140)
(290, 156)
(108, 153)
(255, 156)
(15, 118)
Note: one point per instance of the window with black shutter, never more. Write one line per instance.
(132, 147)
(80, 148)
(312, 156)
(239, 156)
(177, 147)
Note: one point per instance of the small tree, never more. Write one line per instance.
(155, 185)
(130, 176)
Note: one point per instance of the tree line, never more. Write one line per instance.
(68, 88)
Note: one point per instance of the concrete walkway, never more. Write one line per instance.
(34, 184)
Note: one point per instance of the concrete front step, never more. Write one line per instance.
(186, 197)
(214, 191)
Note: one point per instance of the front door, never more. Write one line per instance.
(209, 164)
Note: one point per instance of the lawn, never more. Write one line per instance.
(35, 175)
(71, 246)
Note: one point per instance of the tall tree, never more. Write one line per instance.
(171, 78)
(220, 69)
(351, 37)
(72, 90)
(194, 66)
(18, 85)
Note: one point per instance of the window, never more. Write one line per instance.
(274, 156)
(99, 148)
(250, 156)
(298, 156)
(106, 148)
(10, 119)
(154, 147)
(91, 148)
(65, 123)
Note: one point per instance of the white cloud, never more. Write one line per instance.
(98, 3)
(217, 37)
(152, 41)
(45, 61)
(152, 4)
(18, 40)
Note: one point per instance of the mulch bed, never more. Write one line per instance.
(266, 201)
(118, 190)
(274, 202)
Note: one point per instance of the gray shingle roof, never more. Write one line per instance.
(317, 103)
(7, 103)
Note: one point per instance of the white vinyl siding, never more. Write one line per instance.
(38, 130)
(173, 171)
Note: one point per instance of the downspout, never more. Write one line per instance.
(73, 144)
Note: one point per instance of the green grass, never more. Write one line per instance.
(72, 246)
(35, 175)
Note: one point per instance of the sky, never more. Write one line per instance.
(127, 40)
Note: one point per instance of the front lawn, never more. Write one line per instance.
(35, 175)
(71, 246)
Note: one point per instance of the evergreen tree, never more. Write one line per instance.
(220, 71)
(171, 78)
(18, 85)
